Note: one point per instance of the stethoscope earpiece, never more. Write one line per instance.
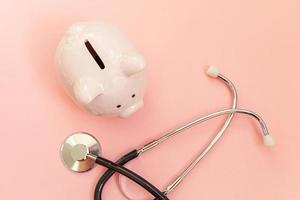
(269, 141)
(76, 149)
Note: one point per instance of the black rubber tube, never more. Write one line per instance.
(133, 176)
(109, 173)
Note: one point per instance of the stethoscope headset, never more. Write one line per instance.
(81, 150)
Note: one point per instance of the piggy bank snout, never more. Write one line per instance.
(120, 105)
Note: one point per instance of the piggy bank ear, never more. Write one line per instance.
(86, 89)
(132, 62)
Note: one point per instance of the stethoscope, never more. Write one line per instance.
(81, 151)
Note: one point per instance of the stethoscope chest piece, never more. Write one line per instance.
(75, 150)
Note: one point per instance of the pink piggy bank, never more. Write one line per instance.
(101, 69)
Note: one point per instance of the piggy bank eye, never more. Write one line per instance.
(94, 54)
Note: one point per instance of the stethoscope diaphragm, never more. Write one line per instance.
(75, 150)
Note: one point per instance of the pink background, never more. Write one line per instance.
(256, 43)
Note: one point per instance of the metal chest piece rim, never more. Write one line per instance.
(76, 148)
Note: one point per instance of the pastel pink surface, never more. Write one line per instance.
(255, 43)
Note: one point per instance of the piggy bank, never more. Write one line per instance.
(101, 69)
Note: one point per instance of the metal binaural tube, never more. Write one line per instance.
(232, 111)
(180, 178)
(194, 163)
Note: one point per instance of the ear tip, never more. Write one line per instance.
(269, 141)
(212, 71)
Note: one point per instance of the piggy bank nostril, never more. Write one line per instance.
(118, 106)
(133, 95)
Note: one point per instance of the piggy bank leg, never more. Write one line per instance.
(132, 109)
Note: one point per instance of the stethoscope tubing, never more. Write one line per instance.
(115, 167)
(109, 173)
